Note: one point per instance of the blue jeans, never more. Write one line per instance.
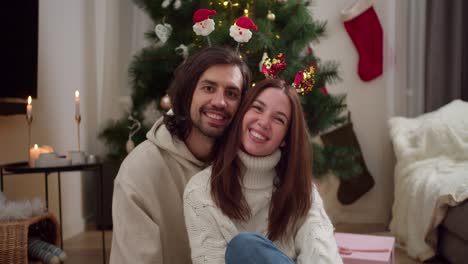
(253, 248)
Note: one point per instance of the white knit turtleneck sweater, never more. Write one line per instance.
(210, 231)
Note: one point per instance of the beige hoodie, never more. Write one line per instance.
(147, 207)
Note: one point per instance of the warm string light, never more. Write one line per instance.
(246, 10)
(228, 3)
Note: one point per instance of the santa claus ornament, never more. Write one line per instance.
(240, 31)
(203, 24)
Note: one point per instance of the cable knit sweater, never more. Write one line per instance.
(210, 230)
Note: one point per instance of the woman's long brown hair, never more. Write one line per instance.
(292, 193)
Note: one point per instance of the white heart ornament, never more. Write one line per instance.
(163, 31)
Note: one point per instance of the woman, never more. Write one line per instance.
(257, 203)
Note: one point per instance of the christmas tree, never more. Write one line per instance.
(283, 27)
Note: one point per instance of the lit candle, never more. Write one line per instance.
(35, 151)
(77, 103)
(29, 108)
(33, 155)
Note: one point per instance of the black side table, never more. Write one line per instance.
(23, 168)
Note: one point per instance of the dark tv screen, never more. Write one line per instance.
(19, 42)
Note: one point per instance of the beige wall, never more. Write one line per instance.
(13, 142)
(371, 104)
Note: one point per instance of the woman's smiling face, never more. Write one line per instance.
(266, 122)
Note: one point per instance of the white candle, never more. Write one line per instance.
(33, 155)
(77, 103)
(29, 108)
(35, 151)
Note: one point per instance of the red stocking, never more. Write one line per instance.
(363, 26)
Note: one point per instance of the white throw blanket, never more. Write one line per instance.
(431, 174)
(18, 210)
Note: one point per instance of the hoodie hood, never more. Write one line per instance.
(162, 138)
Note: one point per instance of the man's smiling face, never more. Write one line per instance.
(215, 100)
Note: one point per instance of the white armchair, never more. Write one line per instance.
(431, 174)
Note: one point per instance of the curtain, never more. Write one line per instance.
(446, 53)
(415, 36)
(115, 32)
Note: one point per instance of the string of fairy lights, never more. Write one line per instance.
(232, 4)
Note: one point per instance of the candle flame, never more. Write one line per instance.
(77, 94)
(29, 100)
(35, 146)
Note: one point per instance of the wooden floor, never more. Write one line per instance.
(86, 248)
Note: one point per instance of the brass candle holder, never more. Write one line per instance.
(29, 120)
(78, 121)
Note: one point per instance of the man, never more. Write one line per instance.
(147, 204)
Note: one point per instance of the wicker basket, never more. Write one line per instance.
(14, 236)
